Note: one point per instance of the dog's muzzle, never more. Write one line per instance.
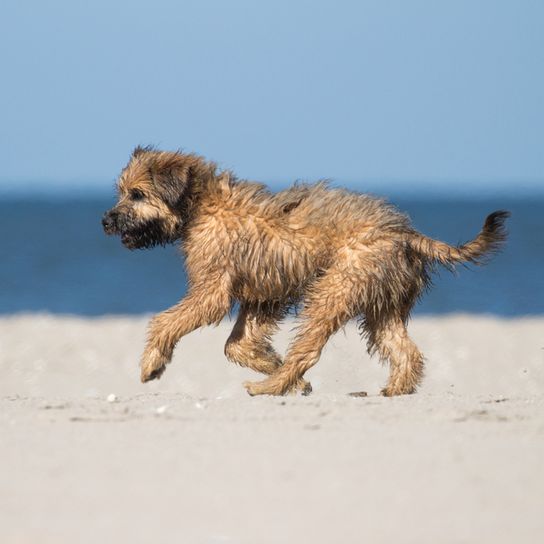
(137, 235)
(110, 222)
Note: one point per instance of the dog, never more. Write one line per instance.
(335, 254)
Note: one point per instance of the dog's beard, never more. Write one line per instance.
(148, 234)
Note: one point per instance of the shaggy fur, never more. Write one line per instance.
(338, 254)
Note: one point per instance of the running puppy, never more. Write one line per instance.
(341, 255)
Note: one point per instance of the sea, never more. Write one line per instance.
(55, 258)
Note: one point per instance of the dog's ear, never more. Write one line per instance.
(171, 182)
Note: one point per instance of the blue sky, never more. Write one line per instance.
(412, 92)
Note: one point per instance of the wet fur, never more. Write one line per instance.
(338, 254)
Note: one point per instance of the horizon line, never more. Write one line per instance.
(436, 187)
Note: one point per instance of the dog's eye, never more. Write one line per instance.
(136, 194)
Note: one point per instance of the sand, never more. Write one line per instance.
(193, 459)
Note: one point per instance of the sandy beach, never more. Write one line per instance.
(193, 459)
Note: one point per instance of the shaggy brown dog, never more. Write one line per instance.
(341, 255)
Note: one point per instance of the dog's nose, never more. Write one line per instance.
(108, 221)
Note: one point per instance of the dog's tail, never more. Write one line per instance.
(489, 241)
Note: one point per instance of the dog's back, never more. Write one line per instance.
(275, 245)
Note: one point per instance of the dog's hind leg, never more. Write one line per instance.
(389, 338)
(249, 343)
(327, 309)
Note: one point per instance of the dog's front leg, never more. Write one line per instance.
(202, 306)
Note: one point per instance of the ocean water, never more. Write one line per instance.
(55, 258)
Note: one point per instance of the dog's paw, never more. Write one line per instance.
(265, 387)
(155, 374)
(255, 388)
(304, 387)
(153, 365)
(272, 386)
(396, 391)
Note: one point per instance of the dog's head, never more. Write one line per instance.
(153, 191)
